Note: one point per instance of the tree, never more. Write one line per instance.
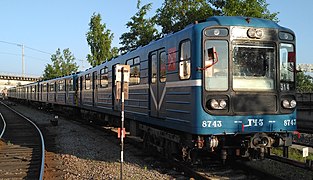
(62, 64)
(99, 39)
(142, 31)
(304, 83)
(175, 15)
(249, 8)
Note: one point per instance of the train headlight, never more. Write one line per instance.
(293, 103)
(214, 104)
(223, 104)
(285, 103)
(255, 33)
(218, 104)
(251, 32)
(289, 104)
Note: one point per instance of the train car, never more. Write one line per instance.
(225, 84)
(59, 91)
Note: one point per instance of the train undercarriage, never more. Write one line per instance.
(192, 148)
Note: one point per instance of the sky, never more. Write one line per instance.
(43, 26)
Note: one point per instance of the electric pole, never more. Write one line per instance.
(23, 63)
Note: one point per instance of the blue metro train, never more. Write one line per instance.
(225, 84)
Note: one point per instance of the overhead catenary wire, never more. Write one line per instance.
(21, 44)
(23, 54)
(32, 57)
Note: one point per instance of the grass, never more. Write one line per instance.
(293, 153)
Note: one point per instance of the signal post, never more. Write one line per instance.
(121, 81)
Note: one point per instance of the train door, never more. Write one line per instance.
(94, 88)
(157, 82)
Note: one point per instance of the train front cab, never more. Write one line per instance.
(248, 93)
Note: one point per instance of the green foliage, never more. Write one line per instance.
(249, 8)
(293, 154)
(141, 30)
(62, 64)
(304, 83)
(175, 15)
(99, 39)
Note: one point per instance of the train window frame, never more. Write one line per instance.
(134, 76)
(104, 79)
(162, 66)
(87, 80)
(185, 62)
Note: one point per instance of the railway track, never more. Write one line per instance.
(22, 149)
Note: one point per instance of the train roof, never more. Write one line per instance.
(243, 21)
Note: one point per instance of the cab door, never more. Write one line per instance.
(157, 82)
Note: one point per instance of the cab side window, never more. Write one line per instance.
(184, 59)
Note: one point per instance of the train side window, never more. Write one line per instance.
(104, 80)
(51, 86)
(44, 87)
(154, 66)
(162, 66)
(87, 81)
(70, 85)
(184, 60)
(134, 64)
(61, 85)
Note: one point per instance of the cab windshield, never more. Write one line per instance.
(253, 67)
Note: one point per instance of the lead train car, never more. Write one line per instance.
(226, 84)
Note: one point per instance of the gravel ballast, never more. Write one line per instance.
(84, 154)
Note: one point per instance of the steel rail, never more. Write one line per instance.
(41, 137)
(4, 126)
